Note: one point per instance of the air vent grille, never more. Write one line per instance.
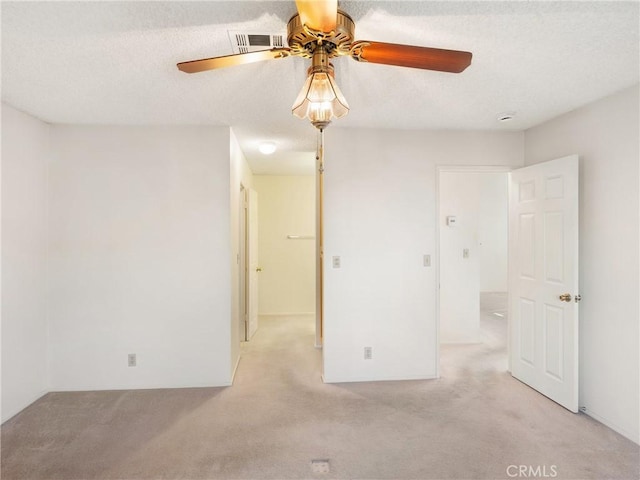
(244, 42)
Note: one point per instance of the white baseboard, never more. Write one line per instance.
(9, 415)
(235, 369)
(635, 438)
(153, 386)
(379, 379)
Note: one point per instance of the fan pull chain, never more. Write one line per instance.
(320, 150)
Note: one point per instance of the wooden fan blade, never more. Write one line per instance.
(319, 15)
(453, 61)
(195, 66)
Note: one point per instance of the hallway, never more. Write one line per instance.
(278, 416)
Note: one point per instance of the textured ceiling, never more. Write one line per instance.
(114, 63)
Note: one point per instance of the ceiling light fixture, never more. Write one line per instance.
(320, 99)
(267, 148)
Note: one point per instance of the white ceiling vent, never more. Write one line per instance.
(244, 42)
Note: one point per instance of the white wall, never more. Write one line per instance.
(287, 207)
(605, 136)
(139, 225)
(459, 194)
(493, 231)
(380, 218)
(25, 144)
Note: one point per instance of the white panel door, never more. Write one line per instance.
(254, 269)
(543, 278)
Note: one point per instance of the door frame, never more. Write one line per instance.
(243, 256)
(252, 265)
(460, 169)
(246, 293)
(319, 174)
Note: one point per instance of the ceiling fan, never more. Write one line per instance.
(321, 31)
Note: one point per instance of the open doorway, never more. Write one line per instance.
(286, 227)
(281, 220)
(473, 273)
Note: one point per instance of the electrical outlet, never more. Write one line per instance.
(132, 359)
(320, 466)
(336, 262)
(465, 253)
(426, 260)
(368, 353)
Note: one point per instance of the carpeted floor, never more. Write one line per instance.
(473, 423)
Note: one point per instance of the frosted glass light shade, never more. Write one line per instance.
(320, 100)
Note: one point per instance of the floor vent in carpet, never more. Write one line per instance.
(320, 466)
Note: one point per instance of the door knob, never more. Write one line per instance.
(259, 269)
(565, 297)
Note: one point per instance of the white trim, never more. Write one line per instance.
(377, 379)
(139, 387)
(118, 387)
(12, 414)
(474, 168)
(616, 428)
(235, 369)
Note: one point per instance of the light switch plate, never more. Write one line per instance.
(368, 353)
(426, 260)
(336, 262)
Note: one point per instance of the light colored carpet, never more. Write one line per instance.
(471, 424)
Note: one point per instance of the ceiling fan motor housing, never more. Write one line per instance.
(303, 41)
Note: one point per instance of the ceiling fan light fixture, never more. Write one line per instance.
(267, 148)
(320, 99)
(320, 31)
